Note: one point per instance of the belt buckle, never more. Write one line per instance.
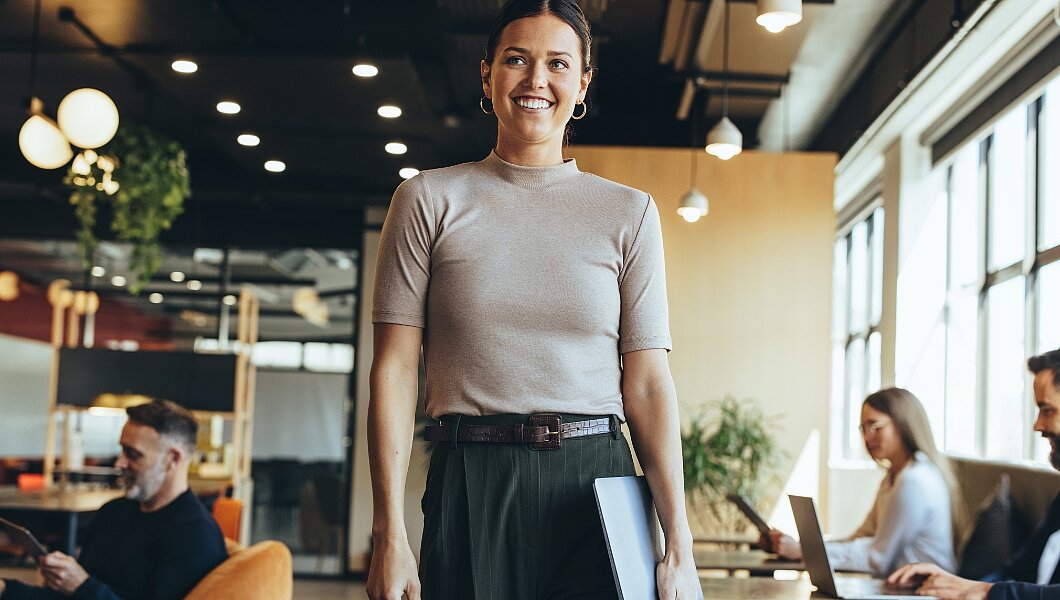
(552, 422)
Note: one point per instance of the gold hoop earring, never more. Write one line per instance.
(482, 105)
(585, 111)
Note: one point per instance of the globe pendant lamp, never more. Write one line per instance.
(725, 140)
(41, 141)
(88, 117)
(776, 15)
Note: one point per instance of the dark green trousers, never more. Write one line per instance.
(504, 522)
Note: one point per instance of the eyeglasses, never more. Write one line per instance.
(873, 426)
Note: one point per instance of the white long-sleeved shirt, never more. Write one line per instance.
(909, 522)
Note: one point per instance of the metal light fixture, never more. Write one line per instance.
(776, 15)
(725, 140)
(694, 204)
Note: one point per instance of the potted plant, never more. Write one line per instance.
(730, 448)
(143, 176)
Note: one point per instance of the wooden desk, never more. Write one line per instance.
(764, 588)
(70, 503)
(756, 562)
(756, 588)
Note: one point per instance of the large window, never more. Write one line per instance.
(856, 342)
(1003, 279)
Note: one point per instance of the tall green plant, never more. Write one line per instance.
(731, 448)
(152, 172)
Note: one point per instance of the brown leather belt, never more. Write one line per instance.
(545, 431)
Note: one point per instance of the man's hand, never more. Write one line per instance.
(3, 586)
(62, 573)
(933, 581)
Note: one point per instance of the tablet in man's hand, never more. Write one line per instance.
(22, 536)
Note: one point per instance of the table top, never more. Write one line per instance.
(755, 561)
(57, 499)
(766, 588)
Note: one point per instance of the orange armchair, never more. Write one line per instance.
(260, 572)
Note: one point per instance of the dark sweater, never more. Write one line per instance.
(131, 554)
(1016, 579)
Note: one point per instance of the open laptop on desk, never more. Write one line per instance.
(821, 573)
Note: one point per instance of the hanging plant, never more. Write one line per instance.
(143, 175)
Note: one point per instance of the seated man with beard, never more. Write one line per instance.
(1032, 574)
(159, 540)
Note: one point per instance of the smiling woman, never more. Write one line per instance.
(545, 327)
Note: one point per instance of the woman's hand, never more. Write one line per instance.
(393, 575)
(676, 576)
(781, 544)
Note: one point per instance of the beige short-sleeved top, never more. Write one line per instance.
(529, 282)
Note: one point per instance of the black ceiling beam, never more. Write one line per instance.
(270, 50)
(142, 79)
(700, 77)
(742, 92)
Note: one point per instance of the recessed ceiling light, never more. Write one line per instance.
(396, 148)
(118, 280)
(98, 271)
(228, 107)
(389, 111)
(184, 66)
(408, 173)
(155, 298)
(229, 300)
(176, 276)
(248, 139)
(365, 70)
(194, 285)
(275, 166)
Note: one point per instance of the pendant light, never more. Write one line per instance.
(776, 15)
(40, 140)
(725, 140)
(694, 205)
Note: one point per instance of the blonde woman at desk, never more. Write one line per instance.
(912, 518)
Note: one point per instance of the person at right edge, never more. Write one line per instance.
(537, 294)
(1032, 573)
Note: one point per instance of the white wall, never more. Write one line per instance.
(25, 367)
(301, 415)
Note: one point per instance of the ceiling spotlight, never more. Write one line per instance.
(228, 107)
(176, 276)
(776, 15)
(396, 148)
(275, 166)
(389, 111)
(98, 271)
(155, 298)
(408, 172)
(229, 300)
(194, 285)
(118, 281)
(184, 66)
(365, 70)
(248, 139)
